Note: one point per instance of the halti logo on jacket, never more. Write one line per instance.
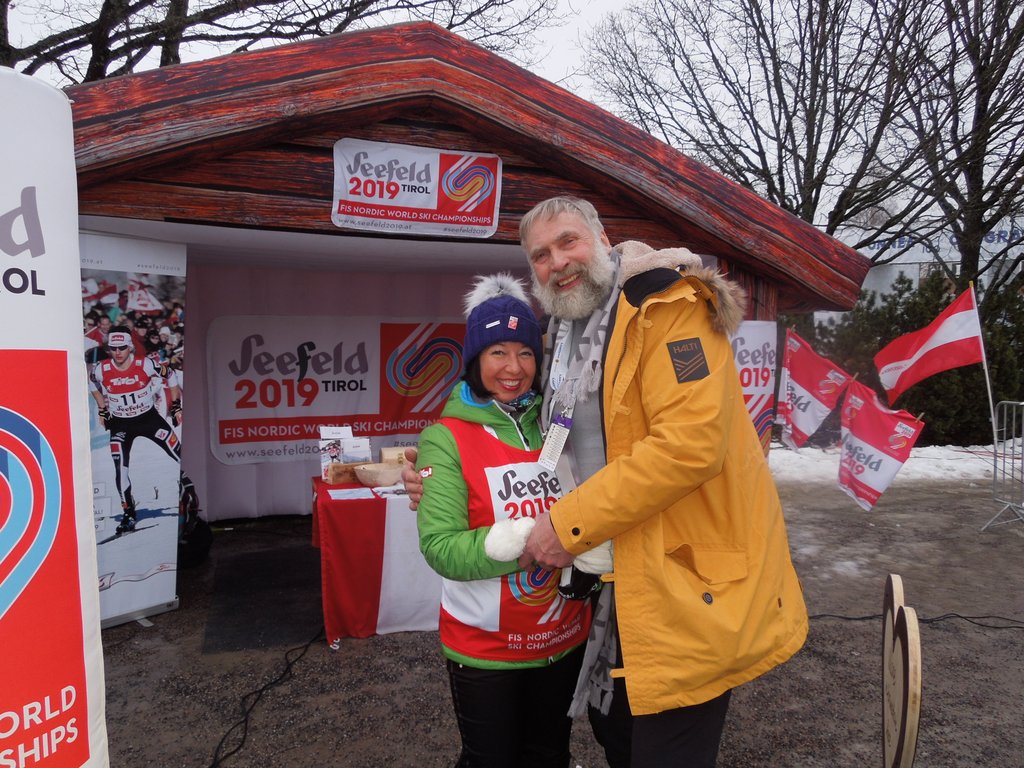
(688, 360)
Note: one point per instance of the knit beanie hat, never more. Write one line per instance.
(497, 310)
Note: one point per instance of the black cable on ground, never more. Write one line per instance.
(290, 661)
(976, 620)
(255, 697)
(1011, 623)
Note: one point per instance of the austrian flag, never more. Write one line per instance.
(951, 340)
(876, 444)
(810, 388)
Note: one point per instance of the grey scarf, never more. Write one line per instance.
(594, 685)
(583, 378)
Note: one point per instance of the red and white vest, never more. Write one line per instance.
(520, 616)
(131, 392)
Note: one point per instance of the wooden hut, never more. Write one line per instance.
(232, 157)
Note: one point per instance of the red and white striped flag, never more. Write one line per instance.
(142, 299)
(951, 340)
(98, 291)
(876, 444)
(810, 388)
(372, 543)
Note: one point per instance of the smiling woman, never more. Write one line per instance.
(502, 347)
(511, 684)
(507, 370)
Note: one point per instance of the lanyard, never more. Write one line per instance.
(554, 440)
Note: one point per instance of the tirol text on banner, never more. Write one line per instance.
(404, 189)
(51, 665)
(876, 443)
(274, 380)
(810, 388)
(753, 348)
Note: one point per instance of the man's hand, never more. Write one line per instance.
(176, 411)
(543, 547)
(104, 415)
(411, 478)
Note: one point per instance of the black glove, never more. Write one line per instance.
(581, 585)
(176, 411)
(104, 414)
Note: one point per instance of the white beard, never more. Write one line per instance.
(586, 297)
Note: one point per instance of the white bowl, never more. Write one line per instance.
(374, 475)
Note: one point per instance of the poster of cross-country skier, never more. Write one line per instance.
(133, 317)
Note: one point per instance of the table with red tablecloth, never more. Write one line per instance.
(373, 577)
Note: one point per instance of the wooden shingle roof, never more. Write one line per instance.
(245, 140)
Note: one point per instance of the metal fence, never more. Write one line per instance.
(1008, 468)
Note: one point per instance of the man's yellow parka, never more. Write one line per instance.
(706, 595)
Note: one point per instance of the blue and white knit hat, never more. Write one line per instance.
(497, 310)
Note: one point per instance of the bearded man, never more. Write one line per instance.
(700, 594)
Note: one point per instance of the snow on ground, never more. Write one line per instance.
(945, 463)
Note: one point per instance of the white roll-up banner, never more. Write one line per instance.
(51, 655)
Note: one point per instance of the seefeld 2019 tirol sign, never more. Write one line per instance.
(274, 380)
(404, 189)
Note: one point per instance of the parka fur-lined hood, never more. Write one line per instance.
(730, 305)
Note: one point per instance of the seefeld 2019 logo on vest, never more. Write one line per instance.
(527, 490)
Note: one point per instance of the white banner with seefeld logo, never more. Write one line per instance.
(753, 347)
(404, 189)
(51, 663)
(274, 380)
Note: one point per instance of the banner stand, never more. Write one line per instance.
(133, 309)
(52, 696)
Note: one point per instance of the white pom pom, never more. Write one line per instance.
(491, 287)
(507, 538)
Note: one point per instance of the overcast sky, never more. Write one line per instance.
(561, 47)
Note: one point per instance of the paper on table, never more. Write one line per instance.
(344, 494)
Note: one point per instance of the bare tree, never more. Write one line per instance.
(84, 40)
(895, 120)
(793, 100)
(967, 112)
